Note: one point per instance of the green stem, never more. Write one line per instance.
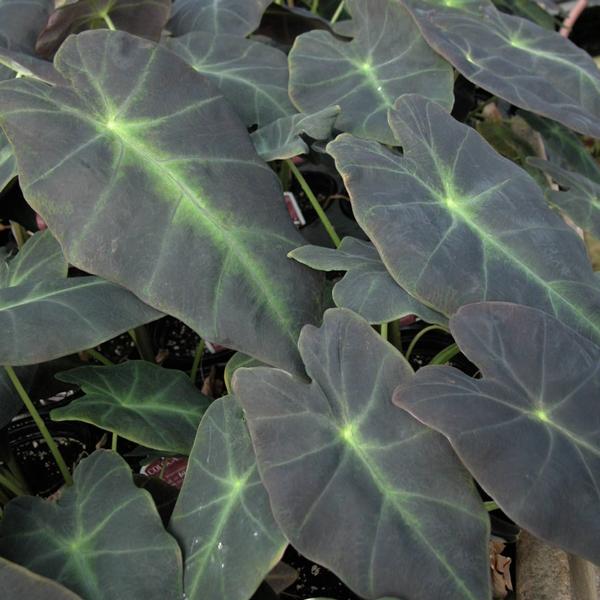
(315, 7)
(11, 485)
(109, 22)
(445, 355)
(35, 415)
(114, 442)
(490, 506)
(99, 357)
(284, 175)
(143, 343)
(19, 233)
(315, 204)
(338, 12)
(384, 331)
(396, 334)
(419, 335)
(197, 358)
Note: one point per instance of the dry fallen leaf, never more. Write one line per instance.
(500, 566)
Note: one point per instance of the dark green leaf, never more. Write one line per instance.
(513, 58)
(8, 165)
(19, 583)
(356, 486)
(528, 9)
(222, 518)
(252, 76)
(386, 59)
(529, 429)
(154, 407)
(103, 539)
(456, 223)
(167, 148)
(581, 198)
(50, 319)
(237, 361)
(145, 18)
(564, 148)
(20, 23)
(29, 66)
(238, 17)
(367, 288)
(283, 138)
(39, 260)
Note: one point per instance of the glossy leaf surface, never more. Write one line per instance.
(154, 407)
(386, 59)
(529, 429)
(50, 319)
(456, 223)
(345, 471)
(96, 536)
(528, 9)
(284, 138)
(25, 65)
(8, 165)
(40, 259)
(18, 582)
(222, 518)
(166, 147)
(252, 76)
(531, 67)
(367, 288)
(144, 18)
(237, 361)
(580, 197)
(237, 17)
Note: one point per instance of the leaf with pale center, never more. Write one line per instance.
(529, 429)
(252, 76)
(238, 17)
(157, 141)
(367, 288)
(20, 583)
(456, 223)
(154, 407)
(580, 197)
(40, 259)
(50, 319)
(103, 538)
(222, 518)
(144, 18)
(356, 485)
(284, 138)
(515, 59)
(386, 58)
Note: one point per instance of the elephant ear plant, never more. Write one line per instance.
(155, 141)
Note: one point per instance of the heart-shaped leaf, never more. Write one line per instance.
(252, 76)
(386, 59)
(167, 148)
(581, 200)
(529, 429)
(283, 138)
(356, 486)
(513, 58)
(18, 582)
(145, 18)
(237, 361)
(40, 259)
(238, 17)
(563, 147)
(222, 518)
(102, 539)
(456, 223)
(50, 319)
(367, 288)
(154, 407)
